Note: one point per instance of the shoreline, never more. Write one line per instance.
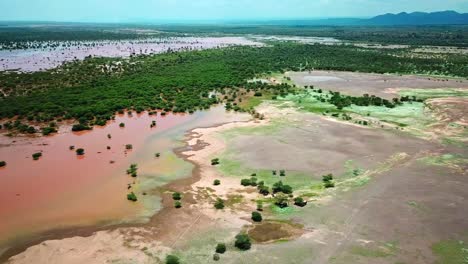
(160, 222)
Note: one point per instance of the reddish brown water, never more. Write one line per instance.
(63, 190)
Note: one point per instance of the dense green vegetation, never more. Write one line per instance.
(184, 81)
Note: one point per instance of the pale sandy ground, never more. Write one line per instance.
(123, 245)
(130, 245)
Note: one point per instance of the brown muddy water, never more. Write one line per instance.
(62, 190)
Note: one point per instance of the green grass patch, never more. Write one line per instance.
(445, 160)
(451, 252)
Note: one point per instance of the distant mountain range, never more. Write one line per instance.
(416, 18)
(419, 18)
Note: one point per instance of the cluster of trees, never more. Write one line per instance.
(341, 101)
(187, 81)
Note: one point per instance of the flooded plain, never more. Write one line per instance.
(63, 190)
(28, 60)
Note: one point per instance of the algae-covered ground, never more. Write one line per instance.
(398, 187)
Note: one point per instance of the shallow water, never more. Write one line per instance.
(63, 190)
(41, 59)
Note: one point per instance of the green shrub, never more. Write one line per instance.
(219, 204)
(132, 197)
(129, 147)
(2, 163)
(177, 204)
(122, 125)
(216, 182)
(215, 162)
(257, 217)
(245, 182)
(221, 248)
(216, 257)
(80, 152)
(280, 187)
(81, 127)
(176, 196)
(36, 156)
(265, 190)
(299, 201)
(171, 259)
(243, 242)
(328, 181)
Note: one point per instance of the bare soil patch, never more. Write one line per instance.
(357, 84)
(270, 231)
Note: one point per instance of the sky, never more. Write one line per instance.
(191, 10)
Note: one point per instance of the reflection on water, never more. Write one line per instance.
(62, 189)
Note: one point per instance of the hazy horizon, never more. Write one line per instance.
(126, 11)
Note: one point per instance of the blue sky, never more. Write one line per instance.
(179, 10)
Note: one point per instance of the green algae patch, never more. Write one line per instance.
(311, 101)
(434, 93)
(451, 252)
(405, 115)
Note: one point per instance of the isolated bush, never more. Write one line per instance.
(221, 248)
(257, 217)
(176, 196)
(171, 259)
(216, 257)
(128, 146)
(328, 181)
(2, 163)
(219, 204)
(36, 156)
(300, 202)
(122, 125)
(243, 242)
(132, 197)
(177, 204)
(216, 182)
(215, 162)
(80, 152)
